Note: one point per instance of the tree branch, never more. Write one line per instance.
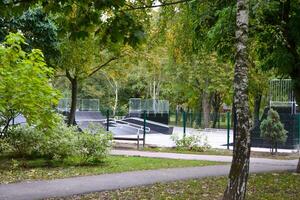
(156, 6)
(68, 75)
(59, 75)
(101, 66)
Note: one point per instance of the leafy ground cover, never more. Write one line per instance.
(268, 186)
(15, 170)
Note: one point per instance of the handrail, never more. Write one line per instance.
(132, 125)
(123, 123)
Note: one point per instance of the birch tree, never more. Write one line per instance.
(238, 176)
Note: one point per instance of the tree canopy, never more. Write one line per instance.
(25, 84)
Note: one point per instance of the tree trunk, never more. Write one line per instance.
(154, 90)
(74, 86)
(4, 128)
(238, 176)
(116, 99)
(74, 89)
(257, 101)
(205, 109)
(216, 104)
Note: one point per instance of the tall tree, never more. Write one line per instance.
(238, 176)
(277, 33)
(38, 28)
(25, 85)
(107, 24)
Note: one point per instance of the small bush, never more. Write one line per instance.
(194, 143)
(5, 147)
(272, 130)
(93, 144)
(24, 140)
(60, 142)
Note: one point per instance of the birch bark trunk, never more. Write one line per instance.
(238, 176)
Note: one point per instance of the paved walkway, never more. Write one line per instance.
(216, 138)
(199, 157)
(79, 185)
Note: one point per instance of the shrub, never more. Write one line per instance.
(24, 140)
(60, 142)
(57, 143)
(192, 142)
(272, 130)
(94, 143)
(4, 146)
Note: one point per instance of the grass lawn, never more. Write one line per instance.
(21, 169)
(225, 152)
(269, 186)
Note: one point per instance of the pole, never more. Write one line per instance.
(234, 127)
(184, 123)
(200, 119)
(228, 128)
(191, 119)
(176, 117)
(144, 129)
(219, 116)
(107, 120)
(299, 133)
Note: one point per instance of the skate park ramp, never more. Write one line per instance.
(89, 116)
(127, 126)
(20, 119)
(84, 119)
(155, 127)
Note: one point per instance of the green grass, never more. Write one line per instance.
(222, 152)
(21, 169)
(269, 186)
(225, 152)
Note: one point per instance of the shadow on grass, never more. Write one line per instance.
(8, 162)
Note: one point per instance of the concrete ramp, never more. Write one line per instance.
(20, 119)
(84, 119)
(88, 116)
(155, 127)
(127, 126)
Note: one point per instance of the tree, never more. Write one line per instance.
(202, 77)
(38, 29)
(272, 130)
(79, 60)
(277, 27)
(102, 24)
(238, 175)
(24, 85)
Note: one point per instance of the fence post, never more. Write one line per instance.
(191, 119)
(144, 129)
(234, 126)
(138, 140)
(298, 122)
(228, 128)
(107, 120)
(184, 123)
(219, 116)
(200, 119)
(176, 117)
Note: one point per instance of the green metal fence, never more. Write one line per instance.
(195, 119)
